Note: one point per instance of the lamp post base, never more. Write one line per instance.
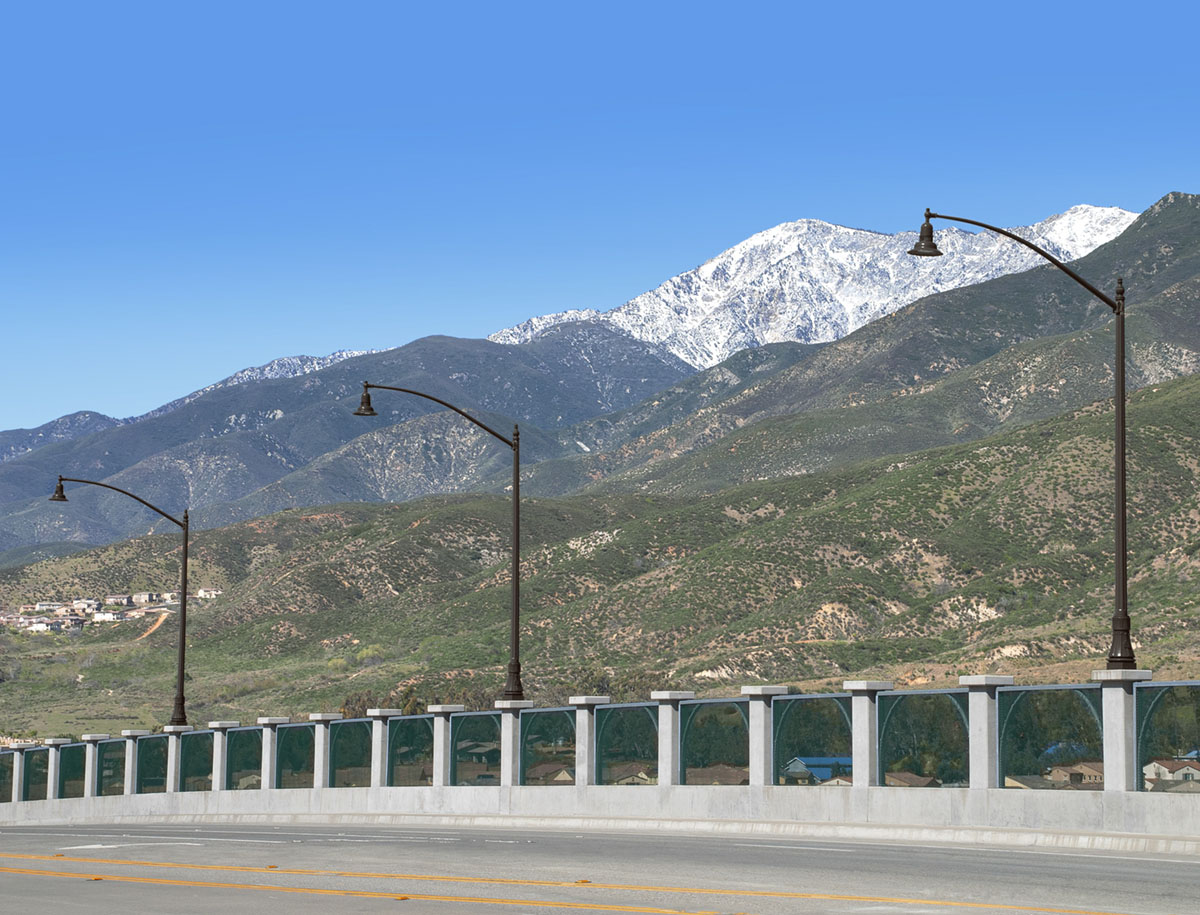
(512, 686)
(1120, 653)
(178, 715)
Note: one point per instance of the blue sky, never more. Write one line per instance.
(188, 189)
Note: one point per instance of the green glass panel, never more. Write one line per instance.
(110, 767)
(294, 750)
(813, 743)
(410, 751)
(243, 760)
(548, 747)
(6, 777)
(923, 740)
(627, 745)
(1050, 738)
(152, 764)
(37, 768)
(196, 761)
(714, 743)
(1168, 729)
(476, 742)
(350, 754)
(71, 763)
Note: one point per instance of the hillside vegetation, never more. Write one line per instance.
(992, 555)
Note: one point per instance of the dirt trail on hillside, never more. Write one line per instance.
(158, 622)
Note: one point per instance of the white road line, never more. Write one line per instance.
(129, 845)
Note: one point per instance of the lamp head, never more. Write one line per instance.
(364, 405)
(59, 495)
(925, 246)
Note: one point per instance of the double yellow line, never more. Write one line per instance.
(481, 900)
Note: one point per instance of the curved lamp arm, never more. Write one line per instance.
(449, 406)
(59, 497)
(1111, 303)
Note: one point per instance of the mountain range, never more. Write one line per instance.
(927, 495)
(281, 435)
(813, 282)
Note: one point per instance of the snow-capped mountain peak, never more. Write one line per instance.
(812, 282)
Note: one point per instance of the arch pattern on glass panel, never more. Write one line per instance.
(923, 739)
(110, 768)
(410, 751)
(627, 744)
(1168, 736)
(714, 742)
(196, 761)
(37, 769)
(7, 766)
(475, 737)
(1050, 737)
(243, 759)
(294, 755)
(813, 742)
(71, 763)
(151, 764)
(548, 746)
(350, 753)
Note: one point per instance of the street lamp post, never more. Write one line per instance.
(512, 685)
(1120, 652)
(178, 715)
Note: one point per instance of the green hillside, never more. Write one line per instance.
(992, 555)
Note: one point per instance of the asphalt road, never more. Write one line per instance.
(314, 869)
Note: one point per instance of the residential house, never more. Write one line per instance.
(910, 780)
(145, 597)
(47, 606)
(1170, 774)
(118, 600)
(1085, 774)
(208, 593)
(85, 605)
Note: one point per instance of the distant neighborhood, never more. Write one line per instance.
(76, 614)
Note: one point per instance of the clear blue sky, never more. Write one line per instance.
(187, 189)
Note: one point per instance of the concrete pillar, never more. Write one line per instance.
(585, 738)
(269, 734)
(443, 752)
(983, 734)
(668, 733)
(1120, 737)
(19, 749)
(91, 755)
(131, 739)
(174, 734)
(762, 732)
(864, 729)
(322, 720)
(53, 764)
(379, 743)
(510, 739)
(220, 760)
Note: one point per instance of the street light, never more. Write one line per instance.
(1120, 652)
(512, 686)
(178, 716)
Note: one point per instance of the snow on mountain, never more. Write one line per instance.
(284, 367)
(812, 282)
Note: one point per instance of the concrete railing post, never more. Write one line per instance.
(510, 739)
(91, 762)
(864, 730)
(984, 768)
(668, 733)
(18, 786)
(1120, 736)
(174, 734)
(53, 765)
(220, 758)
(762, 737)
(443, 752)
(321, 722)
(585, 738)
(270, 737)
(131, 757)
(379, 743)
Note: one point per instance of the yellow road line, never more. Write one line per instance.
(358, 894)
(505, 881)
